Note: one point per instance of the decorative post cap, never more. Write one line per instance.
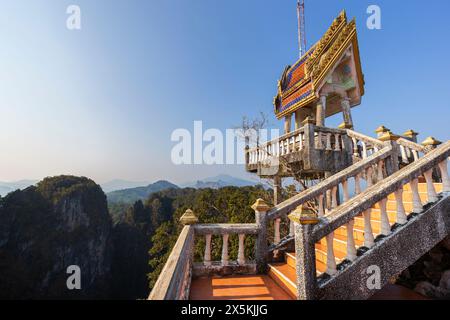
(308, 120)
(260, 205)
(304, 215)
(388, 136)
(344, 125)
(431, 141)
(410, 133)
(381, 129)
(188, 218)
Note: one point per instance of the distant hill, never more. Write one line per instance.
(7, 187)
(119, 184)
(220, 181)
(140, 193)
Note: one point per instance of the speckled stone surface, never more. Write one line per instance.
(392, 255)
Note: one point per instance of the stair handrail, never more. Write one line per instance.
(174, 280)
(411, 144)
(374, 194)
(309, 194)
(307, 235)
(367, 139)
(276, 140)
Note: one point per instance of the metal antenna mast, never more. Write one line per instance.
(301, 27)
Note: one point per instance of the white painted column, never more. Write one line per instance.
(385, 225)
(380, 174)
(346, 195)
(225, 250)
(207, 257)
(401, 215)
(337, 143)
(276, 236)
(241, 252)
(444, 176)
(331, 261)
(329, 141)
(369, 179)
(358, 184)
(417, 202)
(403, 153)
(368, 234)
(351, 248)
(334, 202)
(321, 211)
(345, 103)
(321, 111)
(364, 149)
(431, 192)
(355, 147)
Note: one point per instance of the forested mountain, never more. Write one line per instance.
(132, 195)
(44, 229)
(65, 221)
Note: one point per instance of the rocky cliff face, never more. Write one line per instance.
(62, 221)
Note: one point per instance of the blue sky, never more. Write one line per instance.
(103, 101)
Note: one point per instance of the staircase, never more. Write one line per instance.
(399, 210)
(284, 273)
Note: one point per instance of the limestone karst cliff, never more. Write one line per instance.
(62, 221)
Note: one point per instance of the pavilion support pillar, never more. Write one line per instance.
(277, 190)
(345, 104)
(321, 110)
(298, 120)
(287, 123)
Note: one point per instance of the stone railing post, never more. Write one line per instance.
(310, 144)
(261, 208)
(304, 220)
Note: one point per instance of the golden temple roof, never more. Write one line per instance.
(300, 84)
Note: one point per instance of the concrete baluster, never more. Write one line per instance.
(225, 250)
(401, 215)
(444, 176)
(417, 202)
(351, 249)
(431, 192)
(368, 234)
(331, 261)
(241, 251)
(337, 144)
(207, 256)
(385, 225)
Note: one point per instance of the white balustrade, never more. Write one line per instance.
(364, 149)
(241, 251)
(334, 202)
(355, 147)
(417, 202)
(431, 192)
(329, 141)
(331, 261)
(368, 234)
(385, 225)
(351, 249)
(444, 176)
(207, 256)
(225, 250)
(321, 210)
(369, 178)
(401, 215)
(358, 184)
(337, 144)
(403, 153)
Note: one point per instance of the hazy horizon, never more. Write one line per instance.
(102, 101)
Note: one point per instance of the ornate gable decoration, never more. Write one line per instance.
(299, 84)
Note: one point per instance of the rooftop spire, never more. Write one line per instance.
(301, 27)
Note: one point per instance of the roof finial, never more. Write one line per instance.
(301, 27)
